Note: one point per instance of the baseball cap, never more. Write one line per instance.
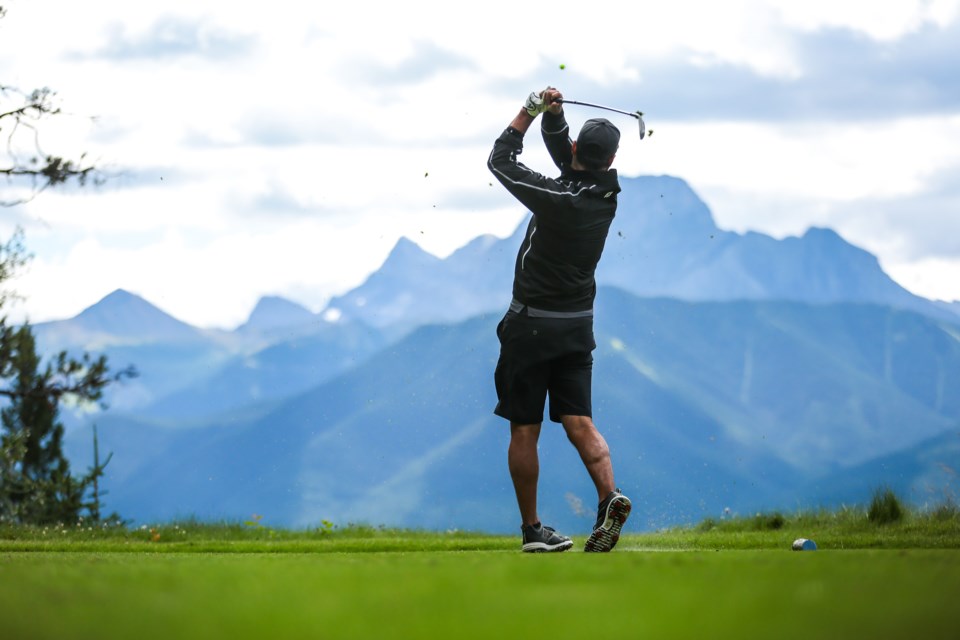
(598, 140)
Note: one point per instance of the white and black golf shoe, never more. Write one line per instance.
(538, 538)
(611, 514)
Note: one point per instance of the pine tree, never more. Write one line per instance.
(36, 484)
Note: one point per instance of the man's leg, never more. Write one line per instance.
(525, 468)
(614, 507)
(593, 450)
(525, 471)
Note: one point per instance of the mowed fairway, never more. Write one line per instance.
(631, 593)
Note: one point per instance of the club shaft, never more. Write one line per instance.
(600, 106)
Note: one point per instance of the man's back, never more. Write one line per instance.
(572, 214)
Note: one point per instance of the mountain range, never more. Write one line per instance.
(663, 242)
(733, 371)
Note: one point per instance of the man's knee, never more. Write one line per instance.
(585, 436)
(578, 426)
(521, 433)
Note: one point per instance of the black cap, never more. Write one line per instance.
(598, 141)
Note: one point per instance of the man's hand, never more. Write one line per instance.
(550, 98)
(546, 100)
(535, 104)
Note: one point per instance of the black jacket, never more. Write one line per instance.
(571, 217)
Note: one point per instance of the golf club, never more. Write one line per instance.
(636, 114)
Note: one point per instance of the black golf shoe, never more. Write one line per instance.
(538, 538)
(611, 514)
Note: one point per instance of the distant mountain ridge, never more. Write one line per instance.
(733, 370)
(925, 474)
(120, 317)
(413, 287)
(742, 405)
(186, 373)
(275, 312)
(663, 242)
(953, 307)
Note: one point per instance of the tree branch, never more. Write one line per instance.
(64, 380)
(55, 170)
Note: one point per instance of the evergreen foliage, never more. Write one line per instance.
(36, 483)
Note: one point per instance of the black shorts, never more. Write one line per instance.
(540, 356)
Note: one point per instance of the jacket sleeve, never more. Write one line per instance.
(556, 137)
(521, 181)
(538, 193)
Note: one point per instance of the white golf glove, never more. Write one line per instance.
(534, 104)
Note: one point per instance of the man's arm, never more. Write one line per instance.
(522, 122)
(537, 192)
(503, 159)
(556, 138)
(553, 127)
(532, 189)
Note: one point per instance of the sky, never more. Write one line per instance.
(283, 148)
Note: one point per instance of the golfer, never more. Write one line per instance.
(546, 336)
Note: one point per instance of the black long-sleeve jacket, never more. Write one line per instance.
(571, 217)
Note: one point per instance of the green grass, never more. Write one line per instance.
(727, 578)
(193, 537)
(481, 594)
(846, 528)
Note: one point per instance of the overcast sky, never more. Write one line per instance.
(282, 148)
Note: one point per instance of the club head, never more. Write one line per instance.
(636, 114)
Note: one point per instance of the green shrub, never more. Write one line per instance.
(946, 512)
(707, 524)
(769, 521)
(885, 507)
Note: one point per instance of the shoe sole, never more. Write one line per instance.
(543, 547)
(604, 538)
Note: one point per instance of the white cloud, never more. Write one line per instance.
(889, 21)
(934, 278)
(827, 162)
(297, 142)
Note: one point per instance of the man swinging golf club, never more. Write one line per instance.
(546, 336)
